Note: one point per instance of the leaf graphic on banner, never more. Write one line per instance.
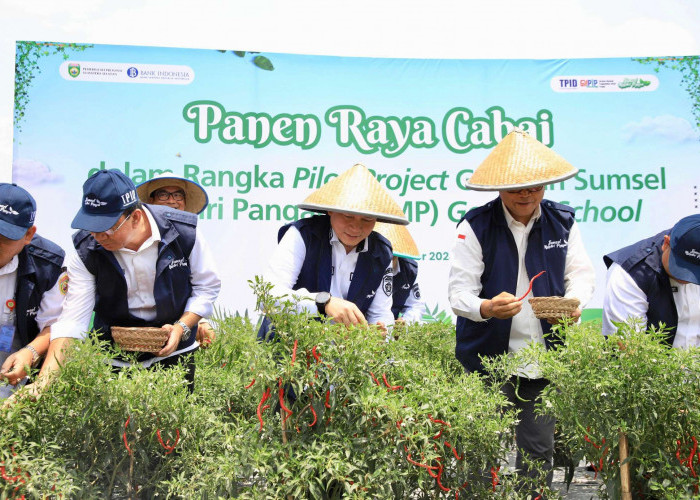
(239, 53)
(263, 62)
(222, 51)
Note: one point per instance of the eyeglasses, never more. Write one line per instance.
(163, 195)
(527, 190)
(111, 231)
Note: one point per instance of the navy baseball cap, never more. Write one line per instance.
(684, 259)
(17, 211)
(105, 196)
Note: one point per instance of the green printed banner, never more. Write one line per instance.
(262, 131)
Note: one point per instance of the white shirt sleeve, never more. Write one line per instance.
(204, 279)
(380, 308)
(579, 274)
(51, 305)
(79, 302)
(623, 299)
(284, 268)
(467, 268)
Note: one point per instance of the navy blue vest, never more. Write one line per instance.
(547, 246)
(317, 270)
(172, 286)
(642, 261)
(403, 284)
(38, 269)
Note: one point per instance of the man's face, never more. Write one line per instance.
(351, 229)
(120, 234)
(665, 252)
(522, 203)
(9, 248)
(167, 196)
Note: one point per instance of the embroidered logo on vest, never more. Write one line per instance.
(178, 263)
(369, 296)
(32, 311)
(556, 244)
(405, 286)
(388, 282)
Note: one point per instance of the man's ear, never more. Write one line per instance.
(29, 235)
(666, 244)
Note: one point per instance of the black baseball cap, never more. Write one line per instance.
(17, 211)
(106, 195)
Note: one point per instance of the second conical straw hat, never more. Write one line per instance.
(520, 161)
(356, 191)
(402, 242)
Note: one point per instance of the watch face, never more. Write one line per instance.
(323, 298)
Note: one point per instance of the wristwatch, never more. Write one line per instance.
(186, 330)
(322, 300)
(35, 354)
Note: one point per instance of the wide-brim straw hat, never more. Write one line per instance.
(196, 198)
(402, 242)
(356, 192)
(520, 161)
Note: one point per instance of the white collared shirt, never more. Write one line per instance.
(624, 299)
(139, 271)
(288, 259)
(468, 266)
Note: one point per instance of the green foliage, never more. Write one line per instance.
(346, 435)
(633, 383)
(27, 66)
(689, 67)
(436, 315)
(261, 62)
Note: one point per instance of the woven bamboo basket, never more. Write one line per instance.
(140, 338)
(553, 307)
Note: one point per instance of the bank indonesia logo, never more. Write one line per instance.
(132, 72)
(74, 69)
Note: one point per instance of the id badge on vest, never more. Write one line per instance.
(7, 326)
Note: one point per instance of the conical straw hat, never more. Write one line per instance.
(401, 240)
(196, 198)
(356, 192)
(520, 161)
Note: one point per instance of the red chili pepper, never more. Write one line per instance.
(7, 478)
(438, 421)
(494, 477)
(294, 351)
(264, 397)
(454, 451)
(327, 404)
(169, 449)
(287, 410)
(126, 443)
(313, 412)
(438, 480)
(391, 387)
(374, 378)
(529, 289)
(315, 355)
(250, 385)
(438, 434)
(428, 467)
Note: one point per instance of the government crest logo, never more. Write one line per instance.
(74, 69)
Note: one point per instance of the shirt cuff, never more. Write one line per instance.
(67, 329)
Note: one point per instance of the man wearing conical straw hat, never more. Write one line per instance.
(499, 248)
(407, 304)
(335, 259)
